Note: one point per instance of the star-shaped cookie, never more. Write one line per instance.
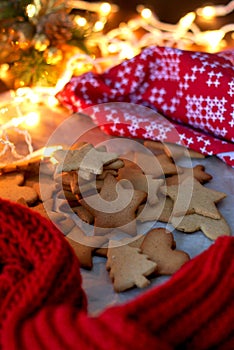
(198, 172)
(87, 159)
(12, 188)
(192, 197)
(211, 228)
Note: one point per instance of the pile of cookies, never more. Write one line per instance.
(99, 199)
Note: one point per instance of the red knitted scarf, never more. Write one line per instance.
(43, 305)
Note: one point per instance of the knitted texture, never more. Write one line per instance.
(43, 306)
(37, 265)
(194, 90)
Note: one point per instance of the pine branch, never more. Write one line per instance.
(13, 8)
(32, 69)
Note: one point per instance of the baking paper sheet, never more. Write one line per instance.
(97, 283)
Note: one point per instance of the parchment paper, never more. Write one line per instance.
(97, 283)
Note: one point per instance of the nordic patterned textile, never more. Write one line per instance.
(193, 90)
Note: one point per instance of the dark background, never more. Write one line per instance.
(170, 11)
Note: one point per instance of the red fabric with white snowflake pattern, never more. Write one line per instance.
(193, 90)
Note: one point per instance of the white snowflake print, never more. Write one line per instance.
(231, 90)
(202, 112)
(214, 79)
(157, 131)
(157, 95)
(166, 67)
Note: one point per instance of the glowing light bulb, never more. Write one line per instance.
(207, 12)
(132, 24)
(112, 48)
(81, 21)
(105, 8)
(34, 98)
(32, 119)
(4, 71)
(14, 122)
(52, 101)
(31, 10)
(211, 39)
(127, 51)
(20, 83)
(186, 21)
(98, 26)
(146, 13)
(26, 93)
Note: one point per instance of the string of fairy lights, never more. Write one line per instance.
(114, 46)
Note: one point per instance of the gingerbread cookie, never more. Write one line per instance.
(161, 211)
(12, 188)
(212, 228)
(40, 208)
(115, 207)
(141, 182)
(20, 165)
(87, 159)
(83, 214)
(159, 246)
(192, 197)
(105, 172)
(63, 180)
(198, 172)
(67, 196)
(81, 188)
(62, 221)
(115, 165)
(45, 187)
(172, 150)
(128, 267)
(157, 166)
(84, 246)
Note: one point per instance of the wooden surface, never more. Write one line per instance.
(57, 126)
(68, 128)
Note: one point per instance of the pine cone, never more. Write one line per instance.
(57, 27)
